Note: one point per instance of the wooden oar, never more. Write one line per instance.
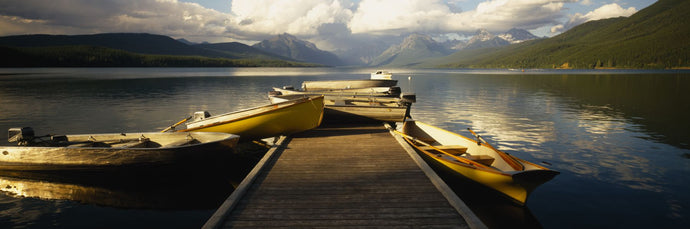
(176, 124)
(90, 143)
(461, 159)
(507, 158)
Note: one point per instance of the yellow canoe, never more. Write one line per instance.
(511, 176)
(264, 121)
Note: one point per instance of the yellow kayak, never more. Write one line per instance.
(478, 161)
(287, 117)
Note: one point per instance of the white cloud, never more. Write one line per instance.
(606, 11)
(399, 16)
(501, 15)
(609, 11)
(393, 16)
(317, 20)
(297, 17)
(168, 17)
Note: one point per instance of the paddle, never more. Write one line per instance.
(507, 158)
(176, 124)
(461, 159)
(479, 138)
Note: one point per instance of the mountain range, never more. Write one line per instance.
(141, 43)
(289, 46)
(130, 50)
(416, 48)
(655, 37)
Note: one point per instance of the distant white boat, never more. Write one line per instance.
(381, 75)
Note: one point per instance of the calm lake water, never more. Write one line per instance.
(619, 138)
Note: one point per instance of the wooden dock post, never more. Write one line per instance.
(342, 177)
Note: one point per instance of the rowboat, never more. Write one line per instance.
(475, 159)
(110, 151)
(383, 75)
(357, 109)
(346, 84)
(286, 117)
(372, 91)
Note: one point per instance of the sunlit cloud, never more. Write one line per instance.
(440, 17)
(501, 15)
(297, 17)
(399, 16)
(606, 11)
(169, 17)
(316, 20)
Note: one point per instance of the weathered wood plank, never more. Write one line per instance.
(330, 223)
(343, 176)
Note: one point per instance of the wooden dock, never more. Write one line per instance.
(343, 177)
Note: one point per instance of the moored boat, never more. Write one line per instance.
(287, 117)
(475, 159)
(381, 75)
(111, 151)
(357, 94)
(372, 91)
(358, 109)
(346, 84)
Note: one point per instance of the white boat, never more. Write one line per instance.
(378, 94)
(370, 91)
(346, 84)
(381, 75)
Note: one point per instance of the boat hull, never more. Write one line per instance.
(38, 158)
(267, 121)
(363, 114)
(346, 84)
(516, 185)
(357, 109)
(371, 92)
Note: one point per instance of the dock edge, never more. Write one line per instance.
(218, 217)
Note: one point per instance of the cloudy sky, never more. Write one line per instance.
(329, 23)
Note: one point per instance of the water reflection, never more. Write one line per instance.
(620, 133)
(522, 114)
(179, 188)
(145, 198)
(619, 138)
(182, 192)
(492, 209)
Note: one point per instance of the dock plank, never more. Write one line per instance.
(342, 177)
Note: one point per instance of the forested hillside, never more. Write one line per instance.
(655, 37)
(130, 50)
(94, 56)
